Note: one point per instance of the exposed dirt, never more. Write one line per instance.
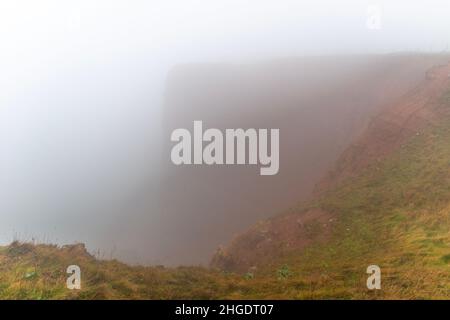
(386, 132)
(320, 105)
(78, 249)
(274, 237)
(392, 127)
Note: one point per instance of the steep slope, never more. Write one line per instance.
(393, 211)
(391, 128)
(395, 174)
(320, 104)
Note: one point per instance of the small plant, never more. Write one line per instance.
(249, 276)
(30, 275)
(446, 258)
(284, 272)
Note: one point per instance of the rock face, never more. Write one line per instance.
(320, 105)
(391, 128)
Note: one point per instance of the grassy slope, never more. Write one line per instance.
(396, 215)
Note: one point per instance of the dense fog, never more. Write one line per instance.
(90, 90)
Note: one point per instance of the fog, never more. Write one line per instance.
(82, 98)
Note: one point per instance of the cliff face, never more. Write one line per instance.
(319, 104)
(393, 210)
(388, 133)
(392, 127)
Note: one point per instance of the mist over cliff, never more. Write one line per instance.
(91, 90)
(320, 104)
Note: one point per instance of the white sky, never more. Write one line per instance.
(40, 38)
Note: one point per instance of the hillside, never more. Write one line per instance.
(386, 133)
(319, 103)
(386, 204)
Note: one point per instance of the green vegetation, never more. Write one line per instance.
(396, 214)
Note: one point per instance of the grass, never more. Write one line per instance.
(396, 215)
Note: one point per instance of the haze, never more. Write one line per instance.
(82, 83)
